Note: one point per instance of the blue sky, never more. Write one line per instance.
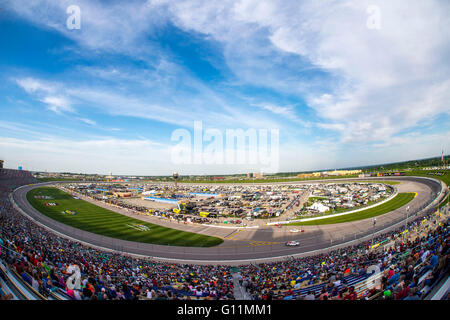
(108, 96)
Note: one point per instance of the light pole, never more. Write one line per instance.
(373, 232)
(406, 222)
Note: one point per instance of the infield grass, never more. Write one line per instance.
(398, 201)
(95, 219)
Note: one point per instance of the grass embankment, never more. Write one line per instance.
(397, 202)
(95, 219)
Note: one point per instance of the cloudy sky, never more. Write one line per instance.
(345, 83)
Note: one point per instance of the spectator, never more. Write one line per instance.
(310, 296)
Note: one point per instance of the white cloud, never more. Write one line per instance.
(88, 121)
(391, 79)
(57, 104)
(383, 81)
(106, 27)
(148, 103)
(118, 29)
(20, 128)
(45, 92)
(32, 85)
(287, 112)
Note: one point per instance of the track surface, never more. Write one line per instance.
(246, 245)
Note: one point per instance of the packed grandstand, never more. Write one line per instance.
(37, 263)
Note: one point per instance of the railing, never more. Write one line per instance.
(442, 290)
(368, 284)
(19, 286)
(25, 291)
(29, 287)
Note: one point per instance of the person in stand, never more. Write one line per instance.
(323, 294)
(351, 295)
(412, 295)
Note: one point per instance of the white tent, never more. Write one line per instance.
(319, 207)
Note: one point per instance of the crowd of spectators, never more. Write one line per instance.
(410, 268)
(403, 264)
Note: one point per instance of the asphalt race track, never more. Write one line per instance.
(266, 243)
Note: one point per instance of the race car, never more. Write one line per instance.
(277, 225)
(296, 230)
(292, 243)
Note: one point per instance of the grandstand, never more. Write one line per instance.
(37, 264)
(420, 264)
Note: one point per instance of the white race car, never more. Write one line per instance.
(292, 243)
(295, 230)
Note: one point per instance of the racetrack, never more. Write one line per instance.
(247, 245)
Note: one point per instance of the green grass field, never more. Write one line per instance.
(105, 222)
(397, 202)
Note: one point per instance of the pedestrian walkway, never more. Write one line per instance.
(239, 291)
